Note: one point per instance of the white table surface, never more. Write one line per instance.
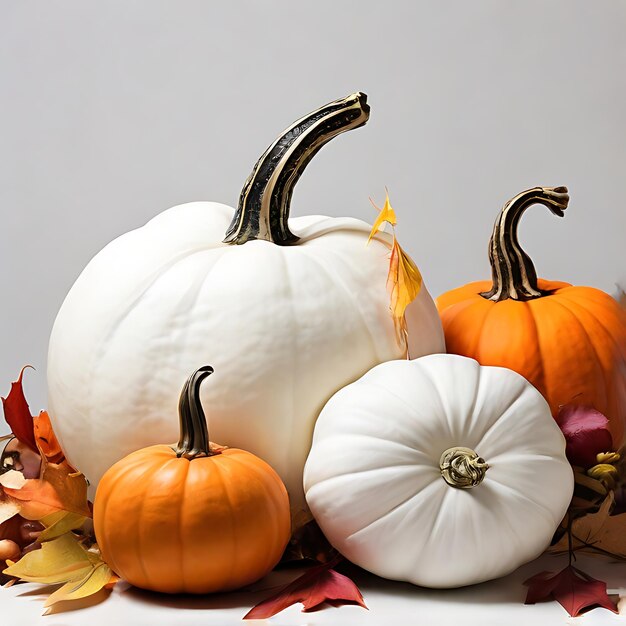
(497, 603)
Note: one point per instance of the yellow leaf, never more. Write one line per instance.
(386, 214)
(97, 578)
(404, 282)
(59, 523)
(57, 561)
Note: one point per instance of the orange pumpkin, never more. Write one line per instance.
(569, 342)
(191, 518)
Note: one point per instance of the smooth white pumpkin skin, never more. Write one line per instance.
(283, 326)
(373, 481)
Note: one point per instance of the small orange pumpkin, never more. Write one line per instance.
(192, 518)
(569, 342)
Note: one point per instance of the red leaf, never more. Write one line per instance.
(586, 433)
(318, 585)
(17, 413)
(573, 589)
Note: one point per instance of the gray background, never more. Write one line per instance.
(111, 112)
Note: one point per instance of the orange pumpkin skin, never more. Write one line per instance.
(570, 342)
(191, 526)
(172, 524)
(571, 345)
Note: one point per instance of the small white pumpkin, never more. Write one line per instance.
(438, 471)
(287, 311)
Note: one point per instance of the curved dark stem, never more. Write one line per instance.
(194, 435)
(512, 270)
(263, 209)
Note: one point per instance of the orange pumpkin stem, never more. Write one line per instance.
(194, 434)
(263, 209)
(513, 272)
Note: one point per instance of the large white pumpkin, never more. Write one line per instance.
(438, 471)
(286, 319)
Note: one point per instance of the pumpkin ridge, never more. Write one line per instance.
(217, 472)
(500, 418)
(431, 486)
(295, 349)
(580, 301)
(591, 347)
(479, 334)
(145, 483)
(505, 520)
(436, 521)
(185, 340)
(470, 417)
(541, 383)
(156, 275)
(412, 410)
(518, 494)
(391, 441)
(262, 479)
(180, 536)
(335, 279)
(431, 381)
(137, 532)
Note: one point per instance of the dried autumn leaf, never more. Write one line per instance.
(59, 523)
(64, 560)
(598, 532)
(386, 214)
(404, 279)
(404, 282)
(58, 561)
(316, 586)
(47, 442)
(96, 579)
(586, 434)
(17, 414)
(572, 588)
(60, 488)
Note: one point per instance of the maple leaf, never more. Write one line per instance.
(17, 414)
(572, 588)
(60, 488)
(64, 561)
(316, 586)
(598, 532)
(586, 434)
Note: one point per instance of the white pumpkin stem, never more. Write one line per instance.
(263, 209)
(513, 272)
(194, 435)
(462, 467)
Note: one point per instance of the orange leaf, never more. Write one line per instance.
(17, 414)
(386, 214)
(60, 488)
(404, 282)
(316, 586)
(46, 440)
